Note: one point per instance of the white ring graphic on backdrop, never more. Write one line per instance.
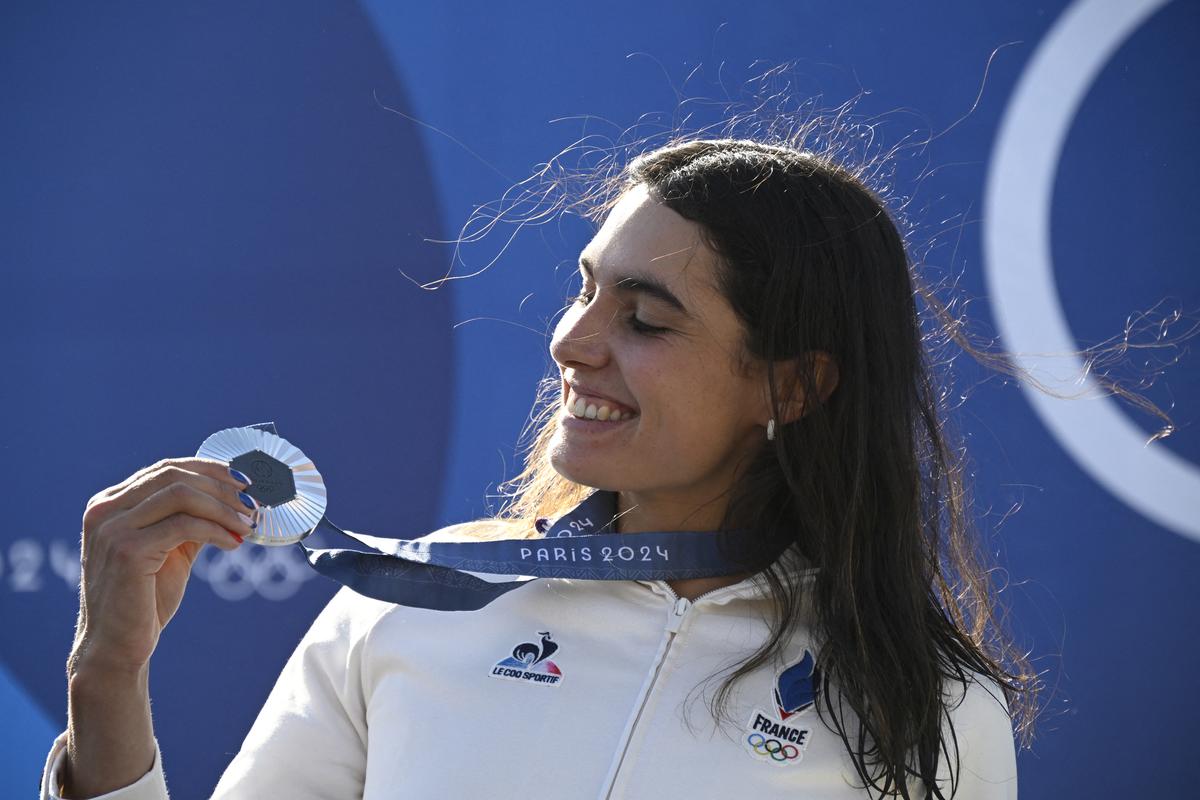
(1020, 272)
(274, 573)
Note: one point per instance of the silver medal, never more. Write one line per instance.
(283, 481)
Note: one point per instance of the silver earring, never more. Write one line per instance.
(771, 429)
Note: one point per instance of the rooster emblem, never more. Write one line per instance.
(529, 653)
(530, 662)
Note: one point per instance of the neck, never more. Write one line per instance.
(638, 513)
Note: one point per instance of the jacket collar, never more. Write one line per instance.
(755, 587)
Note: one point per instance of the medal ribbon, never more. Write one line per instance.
(466, 576)
(448, 575)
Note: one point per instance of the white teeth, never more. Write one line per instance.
(584, 410)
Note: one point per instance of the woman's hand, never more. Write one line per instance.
(140, 539)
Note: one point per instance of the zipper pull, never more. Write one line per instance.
(682, 604)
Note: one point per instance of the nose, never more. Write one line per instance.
(581, 338)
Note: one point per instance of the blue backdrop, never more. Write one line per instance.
(217, 215)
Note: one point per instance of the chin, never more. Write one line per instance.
(594, 476)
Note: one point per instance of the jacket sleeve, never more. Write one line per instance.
(151, 786)
(310, 739)
(986, 766)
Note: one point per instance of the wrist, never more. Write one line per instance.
(92, 673)
(110, 735)
(90, 653)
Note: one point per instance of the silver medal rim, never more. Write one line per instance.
(288, 522)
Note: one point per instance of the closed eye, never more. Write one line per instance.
(636, 325)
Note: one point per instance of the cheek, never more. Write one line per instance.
(699, 410)
(679, 419)
(681, 383)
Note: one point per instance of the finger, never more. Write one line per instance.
(123, 551)
(151, 545)
(217, 470)
(191, 495)
(215, 481)
(225, 489)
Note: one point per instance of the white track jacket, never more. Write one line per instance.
(559, 690)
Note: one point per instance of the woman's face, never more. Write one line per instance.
(656, 403)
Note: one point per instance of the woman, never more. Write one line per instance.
(745, 353)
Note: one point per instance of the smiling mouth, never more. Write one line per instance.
(584, 407)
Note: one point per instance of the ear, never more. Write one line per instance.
(793, 401)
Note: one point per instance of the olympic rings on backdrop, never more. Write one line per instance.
(777, 750)
(274, 573)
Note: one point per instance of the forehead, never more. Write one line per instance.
(642, 235)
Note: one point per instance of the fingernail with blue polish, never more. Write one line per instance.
(239, 476)
(248, 520)
(247, 500)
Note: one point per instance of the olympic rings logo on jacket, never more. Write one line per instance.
(772, 748)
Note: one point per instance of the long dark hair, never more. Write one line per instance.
(868, 485)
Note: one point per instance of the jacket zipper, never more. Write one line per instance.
(679, 610)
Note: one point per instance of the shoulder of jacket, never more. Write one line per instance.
(983, 735)
(979, 697)
(979, 745)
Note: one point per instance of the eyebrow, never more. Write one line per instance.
(641, 284)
